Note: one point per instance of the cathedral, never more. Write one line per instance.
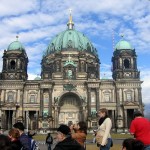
(69, 88)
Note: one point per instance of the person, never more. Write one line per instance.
(138, 145)
(65, 141)
(5, 143)
(80, 133)
(71, 126)
(30, 134)
(14, 135)
(128, 144)
(140, 128)
(132, 144)
(24, 139)
(103, 136)
(49, 141)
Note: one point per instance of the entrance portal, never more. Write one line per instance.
(70, 109)
(129, 116)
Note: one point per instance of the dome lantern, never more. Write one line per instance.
(16, 45)
(70, 23)
(123, 44)
(70, 39)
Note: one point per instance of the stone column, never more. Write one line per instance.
(26, 96)
(119, 122)
(125, 119)
(113, 119)
(18, 96)
(122, 100)
(36, 120)
(3, 119)
(13, 117)
(140, 99)
(134, 95)
(84, 114)
(56, 117)
(89, 102)
(135, 64)
(4, 96)
(97, 100)
(41, 103)
(4, 125)
(22, 102)
(7, 64)
(132, 64)
(50, 103)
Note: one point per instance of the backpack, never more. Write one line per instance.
(34, 145)
(49, 140)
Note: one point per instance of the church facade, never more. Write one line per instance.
(70, 88)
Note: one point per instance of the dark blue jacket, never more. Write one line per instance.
(25, 141)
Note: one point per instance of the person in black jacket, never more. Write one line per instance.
(49, 141)
(24, 139)
(65, 141)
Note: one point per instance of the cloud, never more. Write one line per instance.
(145, 74)
(31, 76)
(37, 22)
(15, 7)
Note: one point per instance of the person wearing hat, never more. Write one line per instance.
(140, 128)
(65, 140)
(24, 139)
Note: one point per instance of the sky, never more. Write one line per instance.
(36, 22)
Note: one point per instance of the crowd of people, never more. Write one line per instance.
(73, 136)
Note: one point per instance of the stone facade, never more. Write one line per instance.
(70, 89)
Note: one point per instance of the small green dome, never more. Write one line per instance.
(70, 38)
(123, 45)
(16, 45)
(37, 78)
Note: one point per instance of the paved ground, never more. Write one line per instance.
(43, 146)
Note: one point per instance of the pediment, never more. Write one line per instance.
(130, 103)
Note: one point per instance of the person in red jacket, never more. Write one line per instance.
(140, 128)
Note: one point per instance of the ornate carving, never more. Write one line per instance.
(69, 87)
(56, 99)
(70, 44)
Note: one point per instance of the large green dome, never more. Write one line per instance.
(16, 45)
(70, 39)
(123, 45)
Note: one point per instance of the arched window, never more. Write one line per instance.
(10, 97)
(107, 95)
(32, 98)
(69, 72)
(126, 64)
(128, 96)
(93, 96)
(12, 65)
(45, 112)
(46, 98)
(82, 66)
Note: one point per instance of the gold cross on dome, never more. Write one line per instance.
(70, 10)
